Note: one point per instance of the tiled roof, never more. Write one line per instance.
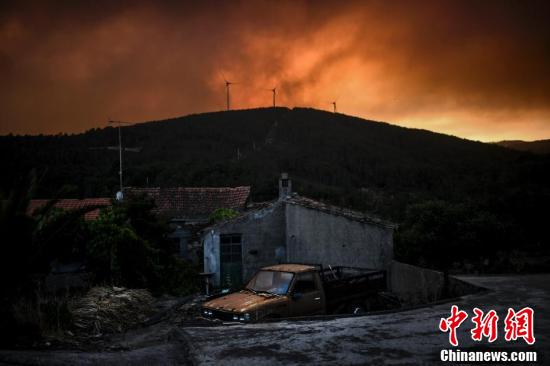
(194, 203)
(338, 211)
(73, 204)
(307, 203)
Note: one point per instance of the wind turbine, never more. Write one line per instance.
(274, 91)
(334, 104)
(227, 84)
(227, 88)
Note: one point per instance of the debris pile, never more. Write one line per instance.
(111, 310)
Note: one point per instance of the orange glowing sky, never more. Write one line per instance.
(475, 69)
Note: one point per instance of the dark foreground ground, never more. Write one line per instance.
(404, 338)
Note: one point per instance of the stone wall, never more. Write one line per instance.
(416, 285)
(313, 236)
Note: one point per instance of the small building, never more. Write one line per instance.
(294, 229)
(188, 209)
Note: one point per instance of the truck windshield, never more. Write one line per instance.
(271, 281)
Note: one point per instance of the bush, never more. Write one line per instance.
(221, 214)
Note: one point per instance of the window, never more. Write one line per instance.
(231, 248)
(305, 282)
(271, 281)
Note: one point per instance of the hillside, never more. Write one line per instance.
(537, 147)
(367, 165)
(327, 154)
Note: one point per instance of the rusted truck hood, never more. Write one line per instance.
(243, 301)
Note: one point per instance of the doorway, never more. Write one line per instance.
(231, 264)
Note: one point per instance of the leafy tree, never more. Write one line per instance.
(128, 246)
(116, 254)
(439, 234)
(29, 243)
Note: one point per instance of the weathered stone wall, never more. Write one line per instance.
(416, 285)
(313, 236)
(263, 232)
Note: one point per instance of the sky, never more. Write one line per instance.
(474, 69)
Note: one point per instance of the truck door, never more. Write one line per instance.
(306, 296)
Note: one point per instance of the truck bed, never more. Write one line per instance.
(346, 284)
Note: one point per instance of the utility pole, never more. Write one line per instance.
(119, 153)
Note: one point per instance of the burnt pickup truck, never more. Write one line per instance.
(290, 290)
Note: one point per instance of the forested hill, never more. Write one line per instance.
(537, 147)
(349, 161)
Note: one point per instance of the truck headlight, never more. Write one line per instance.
(246, 317)
(206, 312)
(235, 317)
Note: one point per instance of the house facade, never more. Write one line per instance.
(294, 229)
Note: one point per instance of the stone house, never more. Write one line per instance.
(294, 229)
(188, 209)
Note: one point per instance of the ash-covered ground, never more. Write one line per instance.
(401, 338)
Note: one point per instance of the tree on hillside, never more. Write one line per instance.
(439, 234)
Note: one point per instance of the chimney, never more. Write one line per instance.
(285, 186)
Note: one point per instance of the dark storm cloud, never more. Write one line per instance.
(459, 67)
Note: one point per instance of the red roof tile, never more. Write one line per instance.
(73, 204)
(194, 203)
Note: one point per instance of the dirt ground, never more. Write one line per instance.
(401, 338)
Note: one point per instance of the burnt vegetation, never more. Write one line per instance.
(459, 203)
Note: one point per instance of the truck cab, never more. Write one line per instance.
(273, 292)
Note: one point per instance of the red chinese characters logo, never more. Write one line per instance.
(516, 325)
(485, 325)
(520, 325)
(452, 323)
